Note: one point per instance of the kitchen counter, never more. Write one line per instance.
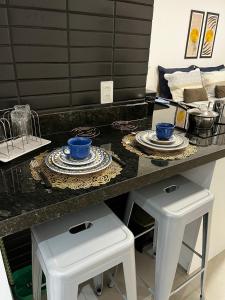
(24, 202)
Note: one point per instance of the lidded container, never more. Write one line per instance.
(202, 119)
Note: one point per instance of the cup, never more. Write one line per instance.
(21, 121)
(164, 131)
(78, 147)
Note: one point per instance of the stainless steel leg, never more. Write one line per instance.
(126, 220)
(128, 212)
(112, 277)
(98, 284)
(155, 239)
(205, 249)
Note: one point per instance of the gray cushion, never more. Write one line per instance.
(194, 95)
(220, 91)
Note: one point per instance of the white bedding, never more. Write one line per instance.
(203, 103)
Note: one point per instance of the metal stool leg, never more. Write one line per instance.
(112, 277)
(128, 212)
(58, 289)
(130, 276)
(98, 284)
(127, 216)
(36, 273)
(155, 238)
(205, 250)
(170, 236)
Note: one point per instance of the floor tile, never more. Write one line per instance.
(215, 287)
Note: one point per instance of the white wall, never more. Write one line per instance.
(168, 42)
(169, 34)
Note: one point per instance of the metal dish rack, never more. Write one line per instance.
(213, 136)
(13, 146)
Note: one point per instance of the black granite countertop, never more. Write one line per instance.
(24, 202)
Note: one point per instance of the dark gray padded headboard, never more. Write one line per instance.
(54, 53)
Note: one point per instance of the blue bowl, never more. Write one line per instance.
(164, 131)
(78, 147)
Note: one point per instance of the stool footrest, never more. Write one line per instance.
(191, 249)
(187, 281)
(144, 232)
(116, 287)
(151, 290)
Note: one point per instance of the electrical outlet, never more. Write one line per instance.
(106, 92)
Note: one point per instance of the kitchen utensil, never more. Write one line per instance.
(124, 125)
(45, 180)
(219, 106)
(143, 149)
(43, 177)
(78, 148)
(118, 160)
(203, 119)
(89, 132)
(164, 131)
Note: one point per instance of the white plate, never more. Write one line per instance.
(160, 148)
(78, 162)
(178, 140)
(153, 138)
(107, 160)
(98, 158)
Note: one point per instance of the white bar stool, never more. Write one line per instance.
(78, 247)
(174, 203)
(5, 290)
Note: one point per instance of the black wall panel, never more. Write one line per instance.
(51, 4)
(3, 17)
(103, 7)
(31, 17)
(5, 54)
(4, 34)
(91, 22)
(39, 36)
(7, 72)
(41, 70)
(55, 53)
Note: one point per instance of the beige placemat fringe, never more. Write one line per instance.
(73, 182)
(128, 142)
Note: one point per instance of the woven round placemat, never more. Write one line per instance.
(128, 142)
(73, 182)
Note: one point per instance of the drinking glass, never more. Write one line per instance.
(21, 121)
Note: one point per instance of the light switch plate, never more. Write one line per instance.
(106, 92)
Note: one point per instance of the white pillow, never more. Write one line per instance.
(179, 81)
(211, 79)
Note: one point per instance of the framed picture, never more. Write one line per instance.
(209, 36)
(194, 34)
(180, 117)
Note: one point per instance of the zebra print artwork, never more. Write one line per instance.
(209, 35)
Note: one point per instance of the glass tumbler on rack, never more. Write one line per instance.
(21, 122)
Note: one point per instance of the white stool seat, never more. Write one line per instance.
(174, 203)
(68, 257)
(174, 197)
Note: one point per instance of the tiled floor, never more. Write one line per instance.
(145, 267)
